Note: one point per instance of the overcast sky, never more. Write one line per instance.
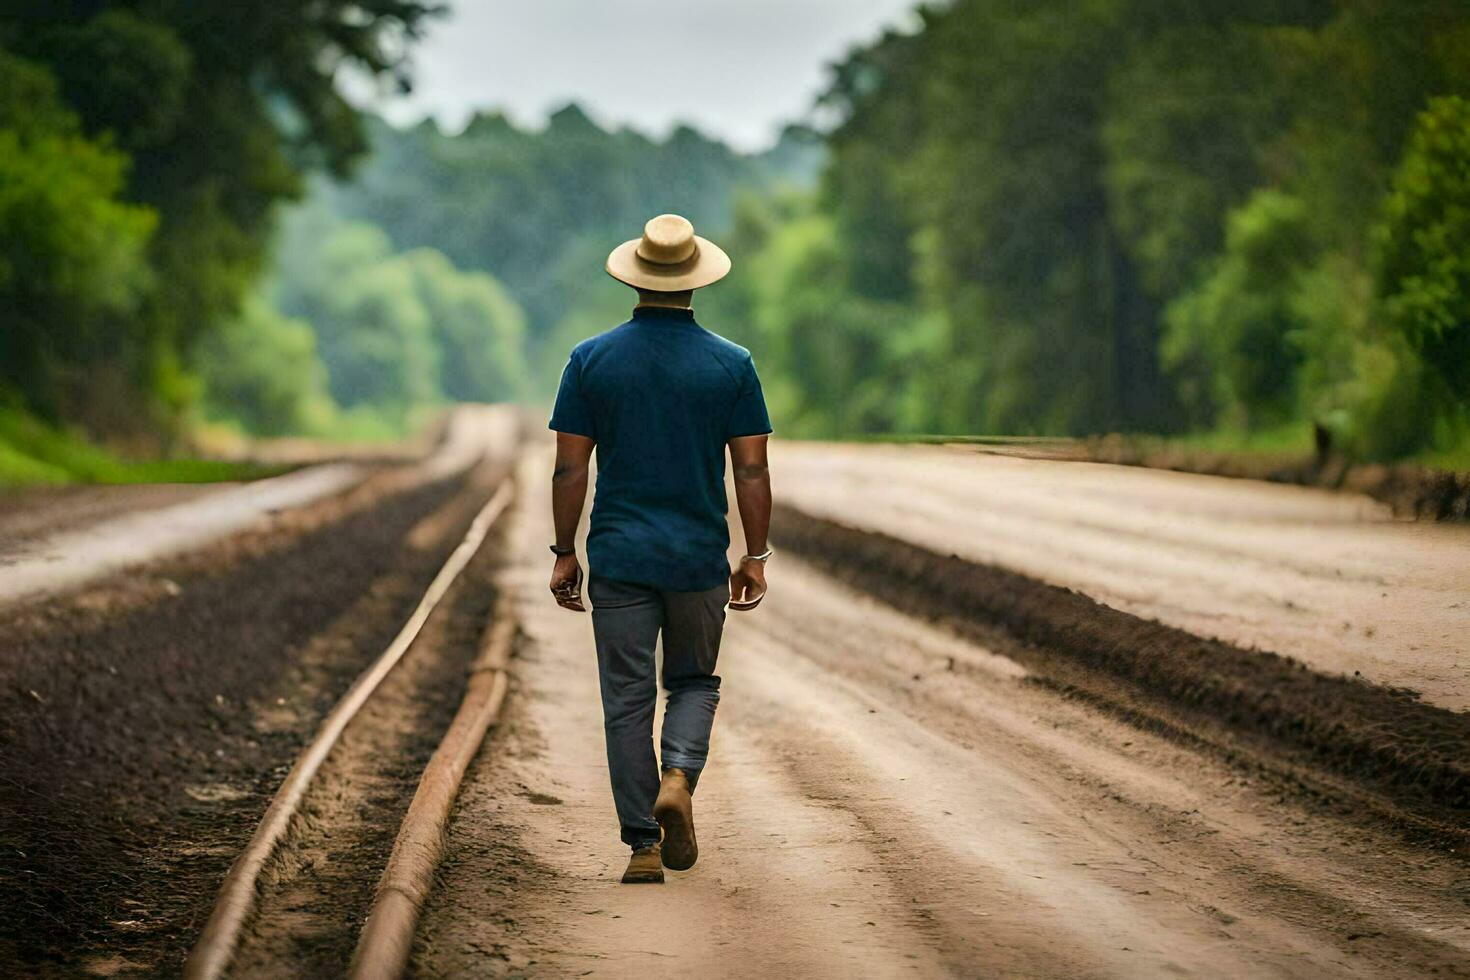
(737, 69)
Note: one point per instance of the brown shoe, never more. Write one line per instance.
(674, 811)
(644, 868)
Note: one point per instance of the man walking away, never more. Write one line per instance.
(660, 398)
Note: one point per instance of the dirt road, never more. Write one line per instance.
(885, 799)
(1328, 578)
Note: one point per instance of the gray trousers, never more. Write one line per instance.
(626, 621)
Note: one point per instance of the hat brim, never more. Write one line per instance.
(708, 264)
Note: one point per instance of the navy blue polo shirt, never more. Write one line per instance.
(661, 395)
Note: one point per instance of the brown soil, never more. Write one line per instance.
(1413, 757)
(134, 754)
(1330, 579)
(319, 887)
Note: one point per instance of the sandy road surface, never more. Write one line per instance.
(70, 557)
(1328, 578)
(33, 514)
(885, 799)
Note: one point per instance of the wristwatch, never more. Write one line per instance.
(763, 556)
(562, 552)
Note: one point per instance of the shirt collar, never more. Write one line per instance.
(662, 313)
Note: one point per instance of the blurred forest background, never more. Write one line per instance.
(1244, 218)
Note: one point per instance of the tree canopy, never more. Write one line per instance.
(170, 130)
(1071, 216)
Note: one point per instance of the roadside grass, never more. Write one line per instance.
(1293, 441)
(33, 453)
(937, 439)
(1286, 440)
(348, 426)
(1455, 460)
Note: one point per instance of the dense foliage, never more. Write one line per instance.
(1079, 215)
(392, 330)
(1422, 274)
(1058, 216)
(144, 145)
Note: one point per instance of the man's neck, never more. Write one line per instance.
(669, 301)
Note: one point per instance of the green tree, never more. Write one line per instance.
(222, 107)
(1231, 340)
(479, 329)
(834, 360)
(1191, 120)
(990, 125)
(73, 266)
(263, 371)
(1422, 278)
(373, 330)
(1070, 194)
(397, 331)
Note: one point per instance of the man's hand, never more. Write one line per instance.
(747, 585)
(566, 583)
(753, 497)
(568, 493)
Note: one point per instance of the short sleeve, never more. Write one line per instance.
(571, 413)
(748, 417)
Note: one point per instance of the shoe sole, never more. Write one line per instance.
(644, 878)
(680, 850)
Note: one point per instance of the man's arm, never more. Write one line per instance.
(568, 495)
(753, 498)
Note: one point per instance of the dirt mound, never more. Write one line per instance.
(1413, 755)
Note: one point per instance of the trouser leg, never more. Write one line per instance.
(693, 624)
(625, 622)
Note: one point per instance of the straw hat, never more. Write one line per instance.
(669, 257)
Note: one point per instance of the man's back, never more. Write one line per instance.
(661, 396)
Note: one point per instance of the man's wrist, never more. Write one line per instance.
(561, 551)
(761, 556)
